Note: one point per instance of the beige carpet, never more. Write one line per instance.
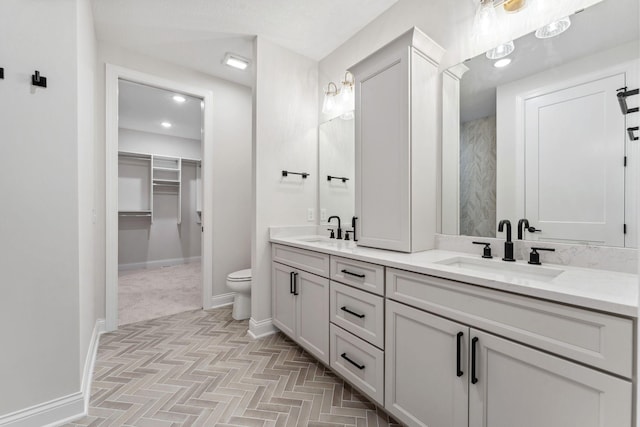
(149, 294)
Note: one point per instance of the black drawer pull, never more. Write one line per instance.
(353, 274)
(295, 284)
(474, 379)
(361, 316)
(345, 357)
(291, 282)
(458, 355)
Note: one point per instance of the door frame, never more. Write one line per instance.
(113, 73)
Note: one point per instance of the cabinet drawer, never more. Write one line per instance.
(363, 275)
(358, 312)
(358, 362)
(597, 339)
(313, 262)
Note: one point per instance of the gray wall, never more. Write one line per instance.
(478, 177)
(140, 241)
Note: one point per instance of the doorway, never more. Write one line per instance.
(158, 256)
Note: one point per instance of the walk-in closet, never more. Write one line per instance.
(159, 202)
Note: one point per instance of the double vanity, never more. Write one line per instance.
(441, 338)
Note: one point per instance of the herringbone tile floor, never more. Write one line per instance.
(199, 368)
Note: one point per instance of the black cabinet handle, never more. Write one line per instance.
(291, 282)
(353, 274)
(458, 355)
(352, 312)
(474, 379)
(295, 284)
(345, 357)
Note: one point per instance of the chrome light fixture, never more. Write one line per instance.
(346, 97)
(330, 99)
(485, 20)
(553, 29)
(501, 51)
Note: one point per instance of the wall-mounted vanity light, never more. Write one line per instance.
(501, 51)
(347, 97)
(485, 21)
(553, 29)
(330, 98)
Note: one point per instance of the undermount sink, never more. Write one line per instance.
(517, 270)
(325, 241)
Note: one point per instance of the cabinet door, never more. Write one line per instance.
(424, 383)
(382, 153)
(283, 299)
(313, 314)
(520, 386)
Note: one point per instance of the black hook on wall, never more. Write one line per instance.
(1, 73)
(38, 80)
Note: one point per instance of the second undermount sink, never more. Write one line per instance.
(512, 269)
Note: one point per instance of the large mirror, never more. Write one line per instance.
(336, 168)
(544, 136)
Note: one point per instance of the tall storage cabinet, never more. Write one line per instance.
(397, 155)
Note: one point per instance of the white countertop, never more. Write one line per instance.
(608, 291)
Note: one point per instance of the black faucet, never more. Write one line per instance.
(508, 244)
(353, 225)
(339, 227)
(522, 225)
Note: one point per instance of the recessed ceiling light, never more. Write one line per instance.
(502, 62)
(554, 29)
(236, 61)
(179, 99)
(166, 125)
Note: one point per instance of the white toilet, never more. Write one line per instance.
(240, 283)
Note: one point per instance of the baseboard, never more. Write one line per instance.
(49, 414)
(158, 264)
(90, 362)
(222, 300)
(262, 328)
(65, 409)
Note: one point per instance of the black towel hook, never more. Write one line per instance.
(38, 80)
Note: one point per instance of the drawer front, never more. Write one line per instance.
(358, 312)
(313, 262)
(358, 362)
(597, 339)
(362, 275)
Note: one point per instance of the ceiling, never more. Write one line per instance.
(143, 108)
(602, 26)
(197, 33)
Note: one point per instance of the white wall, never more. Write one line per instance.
(154, 143)
(285, 138)
(447, 22)
(43, 202)
(231, 163)
(87, 159)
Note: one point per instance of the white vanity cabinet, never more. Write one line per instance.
(396, 130)
(452, 365)
(300, 300)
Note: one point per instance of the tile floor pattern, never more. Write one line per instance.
(199, 368)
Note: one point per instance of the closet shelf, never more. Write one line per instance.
(159, 168)
(166, 181)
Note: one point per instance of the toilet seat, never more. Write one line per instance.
(240, 276)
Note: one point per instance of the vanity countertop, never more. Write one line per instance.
(607, 291)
